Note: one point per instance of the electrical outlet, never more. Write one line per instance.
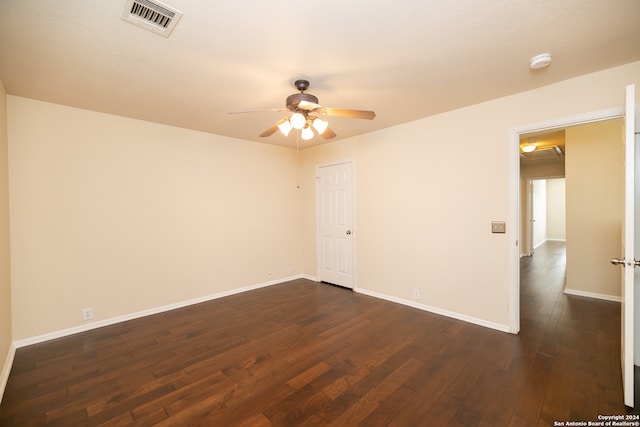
(416, 293)
(87, 313)
(289, 271)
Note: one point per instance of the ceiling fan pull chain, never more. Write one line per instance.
(298, 156)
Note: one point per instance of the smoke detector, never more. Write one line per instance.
(540, 61)
(151, 15)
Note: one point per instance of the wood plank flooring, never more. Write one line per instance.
(309, 354)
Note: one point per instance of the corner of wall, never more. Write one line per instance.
(7, 349)
(6, 369)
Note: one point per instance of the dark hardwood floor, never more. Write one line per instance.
(309, 354)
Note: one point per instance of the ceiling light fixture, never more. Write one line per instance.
(306, 133)
(320, 125)
(297, 120)
(529, 146)
(540, 61)
(305, 124)
(285, 127)
(304, 108)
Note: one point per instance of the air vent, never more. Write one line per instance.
(151, 15)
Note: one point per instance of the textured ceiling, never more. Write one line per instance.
(404, 59)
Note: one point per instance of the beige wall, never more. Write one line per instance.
(5, 277)
(123, 216)
(594, 206)
(556, 209)
(424, 204)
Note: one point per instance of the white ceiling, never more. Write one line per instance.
(404, 59)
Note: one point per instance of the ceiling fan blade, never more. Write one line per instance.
(328, 134)
(343, 112)
(272, 129)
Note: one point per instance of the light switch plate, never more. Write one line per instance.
(498, 227)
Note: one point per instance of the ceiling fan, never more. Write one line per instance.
(305, 109)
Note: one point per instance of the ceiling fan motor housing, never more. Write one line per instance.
(294, 100)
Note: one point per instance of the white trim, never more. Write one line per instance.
(549, 240)
(540, 244)
(6, 369)
(578, 119)
(592, 295)
(514, 241)
(94, 325)
(435, 310)
(514, 191)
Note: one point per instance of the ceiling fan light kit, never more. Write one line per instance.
(320, 125)
(297, 120)
(303, 106)
(285, 127)
(306, 133)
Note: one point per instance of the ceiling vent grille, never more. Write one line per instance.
(151, 15)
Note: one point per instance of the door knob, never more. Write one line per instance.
(348, 231)
(617, 261)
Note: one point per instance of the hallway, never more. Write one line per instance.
(576, 338)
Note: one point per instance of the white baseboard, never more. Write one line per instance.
(593, 295)
(435, 310)
(6, 369)
(549, 240)
(94, 325)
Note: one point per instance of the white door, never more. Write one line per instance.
(627, 260)
(334, 201)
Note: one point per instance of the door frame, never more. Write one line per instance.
(354, 227)
(528, 225)
(514, 191)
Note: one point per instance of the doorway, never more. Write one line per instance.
(541, 208)
(616, 226)
(545, 212)
(594, 198)
(517, 215)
